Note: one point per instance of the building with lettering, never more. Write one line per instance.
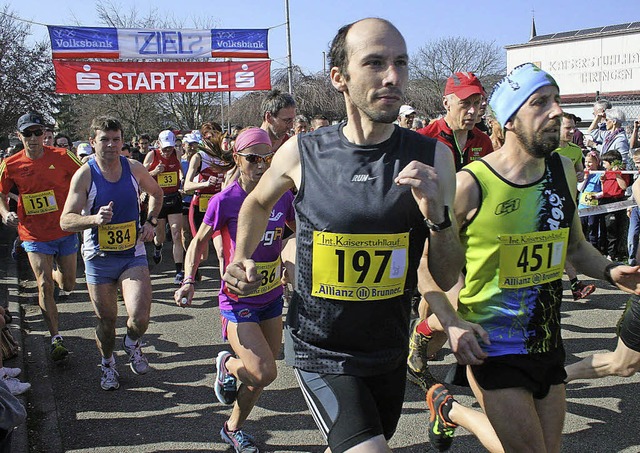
(588, 64)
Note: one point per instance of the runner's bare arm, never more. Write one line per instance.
(284, 174)
(71, 218)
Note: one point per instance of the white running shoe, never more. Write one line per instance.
(15, 386)
(11, 372)
(137, 361)
(109, 379)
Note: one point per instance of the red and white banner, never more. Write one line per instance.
(77, 77)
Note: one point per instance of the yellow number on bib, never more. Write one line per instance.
(203, 202)
(117, 237)
(39, 203)
(168, 179)
(357, 267)
(270, 274)
(532, 258)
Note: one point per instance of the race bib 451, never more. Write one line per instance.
(532, 258)
(359, 267)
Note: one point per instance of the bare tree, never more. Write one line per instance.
(27, 80)
(434, 62)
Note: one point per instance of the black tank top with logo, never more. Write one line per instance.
(360, 237)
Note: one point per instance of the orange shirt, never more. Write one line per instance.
(43, 184)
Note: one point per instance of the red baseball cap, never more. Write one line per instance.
(463, 85)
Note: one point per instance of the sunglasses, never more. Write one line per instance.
(37, 133)
(256, 158)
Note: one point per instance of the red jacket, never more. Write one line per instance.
(478, 143)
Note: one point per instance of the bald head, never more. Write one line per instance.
(357, 34)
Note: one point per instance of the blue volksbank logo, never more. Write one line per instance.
(238, 39)
(83, 38)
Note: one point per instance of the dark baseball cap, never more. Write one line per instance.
(29, 119)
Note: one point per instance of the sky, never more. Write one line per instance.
(314, 23)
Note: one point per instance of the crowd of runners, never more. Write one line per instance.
(385, 235)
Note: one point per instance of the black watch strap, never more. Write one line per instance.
(439, 226)
(153, 221)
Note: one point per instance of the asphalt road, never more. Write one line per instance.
(173, 407)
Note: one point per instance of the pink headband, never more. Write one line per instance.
(251, 137)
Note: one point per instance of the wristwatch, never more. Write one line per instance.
(153, 221)
(439, 226)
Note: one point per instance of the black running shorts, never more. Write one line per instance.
(629, 326)
(534, 372)
(350, 409)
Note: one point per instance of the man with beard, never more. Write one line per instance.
(278, 112)
(519, 224)
(369, 192)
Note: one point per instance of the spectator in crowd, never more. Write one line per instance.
(634, 216)
(9, 376)
(406, 116)
(300, 124)
(62, 141)
(614, 185)
(319, 121)
(278, 112)
(590, 192)
(634, 138)
(417, 124)
(48, 136)
(482, 123)
(613, 137)
(578, 136)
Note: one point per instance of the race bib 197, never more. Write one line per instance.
(39, 203)
(359, 267)
(532, 258)
(117, 237)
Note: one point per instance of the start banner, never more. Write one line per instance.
(154, 44)
(77, 77)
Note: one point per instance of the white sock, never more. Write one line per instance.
(108, 362)
(129, 342)
(55, 337)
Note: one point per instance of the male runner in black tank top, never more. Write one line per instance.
(368, 192)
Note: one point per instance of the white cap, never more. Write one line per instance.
(406, 110)
(84, 149)
(166, 139)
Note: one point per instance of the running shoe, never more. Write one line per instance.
(109, 379)
(225, 384)
(417, 366)
(11, 372)
(441, 428)
(178, 279)
(239, 440)
(581, 291)
(157, 256)
(58, 350)
(15, 386)
(137, 360)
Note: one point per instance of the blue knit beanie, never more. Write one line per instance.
(515, 88)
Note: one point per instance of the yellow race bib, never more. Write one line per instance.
(532, 258)
(271, 274)
(588, 199)
(203, 201)
(117, 237)
(39, 203)
(359, 267)
(168, 179)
